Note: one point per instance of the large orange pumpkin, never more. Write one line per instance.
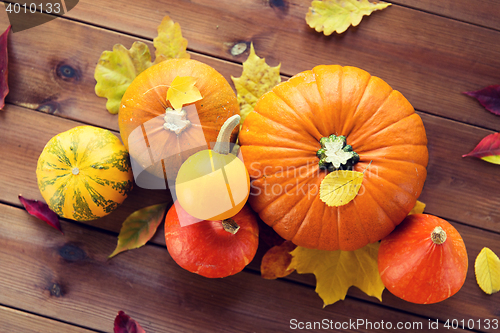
(280, 144)
(144, 108)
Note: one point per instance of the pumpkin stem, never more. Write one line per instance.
(438, 235)
(175, 120)
(335, 154)
(223, 139)
(230, 226)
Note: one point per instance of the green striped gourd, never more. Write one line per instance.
(84, 173)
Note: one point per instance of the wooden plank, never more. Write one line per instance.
(484, 12)
(70, 278)
(13, 320)
(431, 62)
(429, 58)
(20, 176)
(460, 189)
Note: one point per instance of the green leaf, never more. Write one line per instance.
(256, 79)
(139, 227)
(337, 271)
(117, 69)
(328, 16)
(169, 43)
(487, 269)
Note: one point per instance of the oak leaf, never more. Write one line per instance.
(183, 91)
(4, 84)
(487, 269)
(139, 227)
(116, 70)
(328, 16)
(489, 97)
(169, 43)
(488, 149)
(276, 262)
(256, 79)
(41, 211)
(339, 187)
(337, 271)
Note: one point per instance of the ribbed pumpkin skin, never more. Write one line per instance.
(279, 141)
(104, 176)
(145, 99)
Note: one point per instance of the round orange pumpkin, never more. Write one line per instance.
(283, 146)
(168, 137)
(424, 260)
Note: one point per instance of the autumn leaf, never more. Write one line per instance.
(489, 97)
(488, 149)
(256, 79)
(42, 211)
(487, 269)
(139, 227)
(418, 208)
(169, 43)
(275, 263)
(125, 324)
(337, 271)
(183, 91)
(328, 16)
(4, 84)
(116, 70)
(339, 187)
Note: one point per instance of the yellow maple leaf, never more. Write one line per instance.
(339, 187)
(256, 79)
(169, 43)
(328, 16)
(337, 271)
(418, 208)
(183, 91)
(487, 269)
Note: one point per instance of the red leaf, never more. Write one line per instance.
(488, 149)
(42, 211)
(125, 324)
(4, 87)
(489, 97)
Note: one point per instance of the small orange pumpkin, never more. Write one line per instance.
(285, 144)
(173, 133)
(213, 249)
(424, 260)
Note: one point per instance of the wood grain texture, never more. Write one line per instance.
(445, 197)
(69, 278)
(431, 62)
(429, 58)
(484, 12)
(12, 320)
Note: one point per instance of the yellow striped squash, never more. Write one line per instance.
(84, 173)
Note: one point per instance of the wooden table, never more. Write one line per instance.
(431, 51)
